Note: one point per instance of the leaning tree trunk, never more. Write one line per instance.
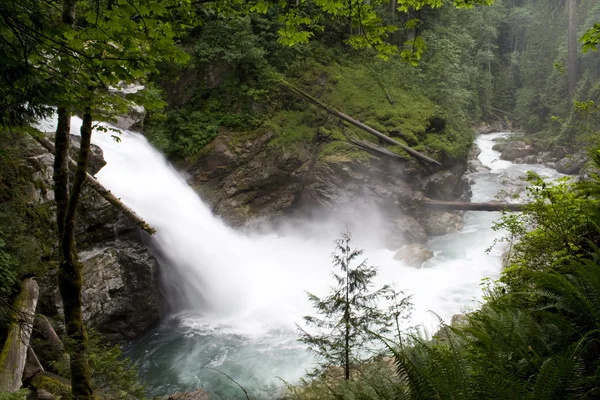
(14, 352)
(572, 70)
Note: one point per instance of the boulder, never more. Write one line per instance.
(532, 159)
(120, 295)
(413, 255)
(500, 146)
(571, 165)
(95, 158)
(438, 223)
(450, 184)
(406, 229)
(133, 120)
(516, 149)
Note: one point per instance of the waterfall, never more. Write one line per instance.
(240, 294)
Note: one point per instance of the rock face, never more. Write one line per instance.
(247, 179)
(120, 292)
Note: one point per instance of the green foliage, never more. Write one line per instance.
(7, 271)
(590, 39)
(183, 133)
(565, 222)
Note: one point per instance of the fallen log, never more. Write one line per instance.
(14, 352)
(464, 206)
(358, 124)
(102, 191)
(56, 349)
(375, 149)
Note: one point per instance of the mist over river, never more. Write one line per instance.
(239, 294)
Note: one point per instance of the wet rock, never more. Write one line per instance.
(500, 146)
(119, 294)
(413, 255)
(516, 149)
(532, 159)
(407, 230)
(450, 184)
(518, 161)
(571, 165)
(95, 159)
(133, 120)
(438, 223)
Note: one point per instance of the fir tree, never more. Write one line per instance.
(347, 317)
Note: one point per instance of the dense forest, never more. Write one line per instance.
(429, 74)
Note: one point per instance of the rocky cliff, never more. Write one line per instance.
(249, 179)
(120, 293)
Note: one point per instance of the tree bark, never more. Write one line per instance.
(70, 271)
(572, 4)
(14, 352)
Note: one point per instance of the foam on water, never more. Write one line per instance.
(243, 293)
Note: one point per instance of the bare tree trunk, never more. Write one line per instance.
(14, 352)
(69, 272)
(572, 4)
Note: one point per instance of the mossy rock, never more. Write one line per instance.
(57, 385)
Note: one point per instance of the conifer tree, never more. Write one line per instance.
(347, 316)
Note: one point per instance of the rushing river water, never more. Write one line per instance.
(243, 293)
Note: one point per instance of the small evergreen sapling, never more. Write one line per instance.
(348, 316)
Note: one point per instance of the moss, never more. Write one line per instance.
(291, 128)
(341, 151)
(52, 383)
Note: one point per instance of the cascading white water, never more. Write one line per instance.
(243, 293)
